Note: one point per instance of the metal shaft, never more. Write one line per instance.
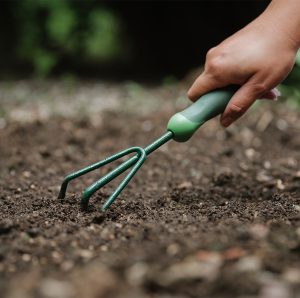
(167, 136)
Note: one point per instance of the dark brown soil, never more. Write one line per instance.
(218, 216)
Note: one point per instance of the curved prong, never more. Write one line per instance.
(88, 169)
(139, 157)
(124, 182)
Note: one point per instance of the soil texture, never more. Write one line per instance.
(218, 216)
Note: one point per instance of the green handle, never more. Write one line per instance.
(185, 123)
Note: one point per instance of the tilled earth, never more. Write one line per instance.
(218, 216)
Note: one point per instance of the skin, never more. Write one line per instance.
(257, 58)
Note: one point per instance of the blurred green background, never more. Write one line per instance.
(120, 40)
(115, 38)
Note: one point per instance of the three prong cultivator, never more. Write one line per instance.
(180, 128)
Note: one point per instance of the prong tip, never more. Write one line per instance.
(104, 208)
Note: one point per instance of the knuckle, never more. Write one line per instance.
(259, 88)
(235, 110)
(210, 53)
(216, 61)
(190, 94)
(214, 66)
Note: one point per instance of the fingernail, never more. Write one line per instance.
(226, 121)
(277, 92)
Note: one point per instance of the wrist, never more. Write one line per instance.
(282, 17)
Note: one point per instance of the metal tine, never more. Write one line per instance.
(94, 166)
(136, 160)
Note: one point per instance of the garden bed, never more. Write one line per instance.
(218, 216)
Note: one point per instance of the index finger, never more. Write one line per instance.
(203, 84)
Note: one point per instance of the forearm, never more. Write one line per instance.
(284, 16)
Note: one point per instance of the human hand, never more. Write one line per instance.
(257, 58)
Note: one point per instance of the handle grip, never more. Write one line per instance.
(185, 123)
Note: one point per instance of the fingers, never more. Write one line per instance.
(203, 84)
(242, 100)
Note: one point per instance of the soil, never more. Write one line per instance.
(218, 216)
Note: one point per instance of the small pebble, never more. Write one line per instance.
(297, 207)
(173, 249)
(26, 257)
(267, 165)
(292, 275)
(259, 231)
(248, 264)
(250, 153)
(275, 290)
(282, 124)
(263, 177)
(104, 248)
(26, 174)
(67, 266)
(191, 269)
(86, 254)
(57, 257)
(279, 184)
(185, 184)
(52, 288)
(136, 274)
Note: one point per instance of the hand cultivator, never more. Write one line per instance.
(180, 128)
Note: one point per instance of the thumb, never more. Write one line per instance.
(203, 84)
(241, 101)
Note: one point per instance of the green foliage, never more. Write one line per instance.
(60, 23)
(169, 80)
(290, 88)
(43, 61)
(51, 30)
(102, 37)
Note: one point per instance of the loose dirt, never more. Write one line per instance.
(218, 216)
